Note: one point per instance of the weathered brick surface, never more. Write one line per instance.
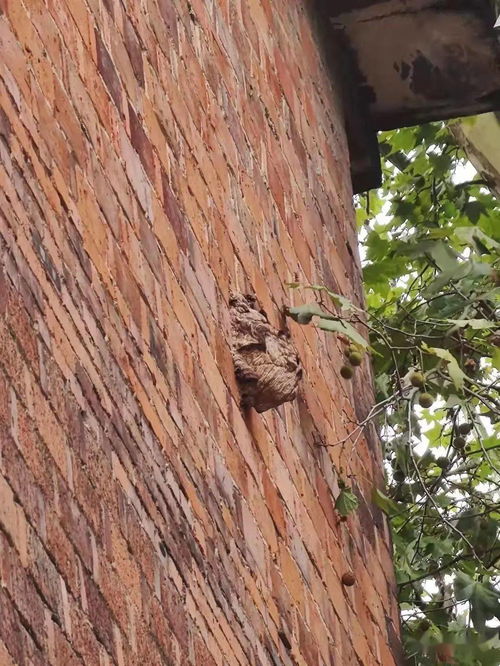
(155, 155)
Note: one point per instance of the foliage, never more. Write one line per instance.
(431, 245)
(346, 502)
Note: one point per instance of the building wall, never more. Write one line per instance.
(156, 155)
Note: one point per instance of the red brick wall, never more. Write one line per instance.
(155, 155)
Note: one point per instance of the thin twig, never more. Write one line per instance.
(431, 499)
(374, 412)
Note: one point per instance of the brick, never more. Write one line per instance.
(13, 520)
(5, 657)
(99, 615)
(133, 47)
(20, 587)
(17, 639)
(173, 213)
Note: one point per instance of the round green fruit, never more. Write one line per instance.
(346, 371)
(443, 462)
(399, 475)
(470, 366)
(355, 358)
(424, 625)
(459, 442)
(417, 379)
(465, 428)
(425, 400)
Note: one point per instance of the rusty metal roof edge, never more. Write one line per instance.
(486, 8)
(363, 120)
(408, 119)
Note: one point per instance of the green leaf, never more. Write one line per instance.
(489, 657)
(484, 600)
(476, 324)
(433, 636)
(388, 506)
(382, 383)
(343, 327)
(457, 272)
(473, 210)
(346, 502)
(471, 236)
(303, 314)
(453, 401)
(442, 254)
(495, 358)
(456, 374)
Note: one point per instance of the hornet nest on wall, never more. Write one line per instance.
(266, 364)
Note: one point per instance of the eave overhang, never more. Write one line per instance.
(410, 62)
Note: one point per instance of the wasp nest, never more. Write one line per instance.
(267, 367)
